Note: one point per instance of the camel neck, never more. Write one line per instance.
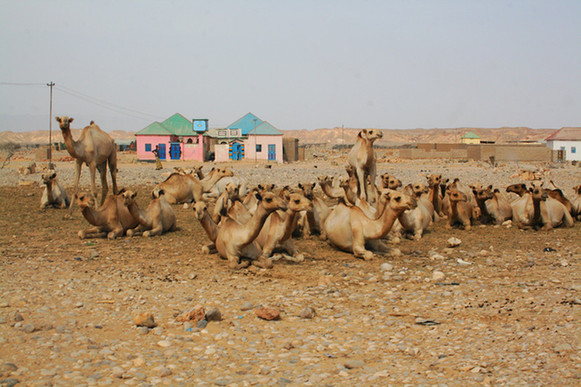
(209, 226)
(137, 213)
(537, 217)
(93, 216)
(256, 222)
(49, 193)
(71, 144)
(290, 223)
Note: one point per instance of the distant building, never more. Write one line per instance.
(178, 138)
(567, 140)
(470, 138)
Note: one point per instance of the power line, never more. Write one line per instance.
(21, 84)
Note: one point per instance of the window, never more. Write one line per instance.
(573, 149)
(259, 147)
(190, 141)
(233, 132)
(148, 147)
(222, 133)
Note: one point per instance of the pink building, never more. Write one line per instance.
(177, 138)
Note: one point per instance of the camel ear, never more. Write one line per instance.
(134, 194)
(58, 119)
(313, 185)
(300, 186)
(53, 175)
(258, 196)
(490, 187)
(121, 191)
(71, 119)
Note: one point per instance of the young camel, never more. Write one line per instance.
(94, 148)
(276, 233)
(539, 210)
(314, 218)
(53, 194)
(156, 219)
(416, 221)
(111, 219)
(236, 240)
(494, 208)
(211, 228)
(187, 188)
(362, 159)
(461, 209)
(348, 229)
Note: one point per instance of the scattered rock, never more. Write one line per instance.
(195, 314)
(462, 262)
(7, 368)
(386, 267)
(29, 328)
(213, 314)
(325, 280)
(144, 320)
(164, 343)
(267, 313)
(438, 276)
(246, 306)
(352, 363)
(201, 324)
(18, 317)
(426, 321)
(454, 242)
(308, 313)
(9, 382)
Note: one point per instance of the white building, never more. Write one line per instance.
(568, 140)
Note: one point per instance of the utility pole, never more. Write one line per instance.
(50, 166)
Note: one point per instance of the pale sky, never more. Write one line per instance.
(388, 64)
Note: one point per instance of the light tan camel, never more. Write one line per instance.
(276, 233)
(326, 184)
(156, 219)
(576, 202)
(221, 185)
(187, 188)
(391, 182)
(94, 148)
(202, 214)
(415, 221)
(225, 201)
(461, 209)
(314, 218)
(53, 194)
(494, 208)
(539, 210)
(111, 219)
(557, 194)
(236, 240)
(362, 159)
(350, 195)
(348, 229)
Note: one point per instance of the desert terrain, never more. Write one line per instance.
(502, 308)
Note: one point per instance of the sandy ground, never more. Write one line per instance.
(509, 316)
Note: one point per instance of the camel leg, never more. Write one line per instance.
(117, 232)
(156, 230)
(359, 246)
(234, 262)
(209, 248)
(113, 171)
(134, 231)
(294, 255)
(378, 245)
(92, 232)
(78, 166)
(104, 188)
(360, 174)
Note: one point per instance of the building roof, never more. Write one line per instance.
(265, 129)
(565, 134)
(470, 135)
(246, 123)
(154, 128)
(179, 125)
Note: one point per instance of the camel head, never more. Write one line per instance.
(344, 182)
(577, 189)
(129, 197)
(434, 180)
(538, 192)
(233, 191)
(198, 171)
(266, 187)
(307, 189)
(390, 182)
(325, 180)
(224, 172)
(297, 202)
(483, 194)
(519, 189)
(200, 208)
(350, 170)
(285, 192)
(370, 135)
(456, 196)
(48, 177)
(397, 201)
(85, 200)
(271, 202)
(64, 122)
(419, 189)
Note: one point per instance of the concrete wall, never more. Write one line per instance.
(500, 152)
(265, 141)
(290, 147)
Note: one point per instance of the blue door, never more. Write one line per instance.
(175, 151)
(236, 151)
(271, 152)
(162, 151)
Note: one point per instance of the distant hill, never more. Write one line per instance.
(334, 136)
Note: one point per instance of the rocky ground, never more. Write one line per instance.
(502, 308)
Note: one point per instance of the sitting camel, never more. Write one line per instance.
(236, 240)
(96, 149)
(494, 208)
(180, 188)
(314, 218)
(576, 203)
(53, 194)
(461, 210)
(156, 219)
(434, 194)
(362, 159)
(112, 219)
(225, 201)
(557, 194)
(201, 212)
(276, 233)
(539, 210)
(415, 221)
(348, 229)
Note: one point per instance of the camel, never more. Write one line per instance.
(156, 219)
(111, 219)
(461, 209)
(349, 194)
(362, 159)
(276, 233)
(416, 221)
(315, 217)
(434, 195)
(180, 188)
(225, 201)
(53, 194)
(348, 229)
(391, 182)
(94, 148)
(236, 240)
(538, 210)
(221, 185)
(326, 184)
(576, 203)
(494, 208)
(557, 194)
(201, 212)
(353, 183)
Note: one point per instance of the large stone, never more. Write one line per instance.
(195, 314)
(144, 320)
(267, 313)
(214, 314)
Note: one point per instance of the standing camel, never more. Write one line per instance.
(362, 159)
(94, 148)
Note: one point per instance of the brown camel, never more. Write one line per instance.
(538, 210)
(225, 201)
(434, 194)
(415, 221)
(187, 188)
(348, 229)
(315, 217)
(461, 210)
(576, 202)
(202, 214)
(111, 219)
(276, 233)
(156, 219)
(53, 194)
(236, 240)
(494, 208)
(94, 148)
(362, 159)
(389, 181)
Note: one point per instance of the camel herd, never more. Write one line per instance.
(257, 225)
